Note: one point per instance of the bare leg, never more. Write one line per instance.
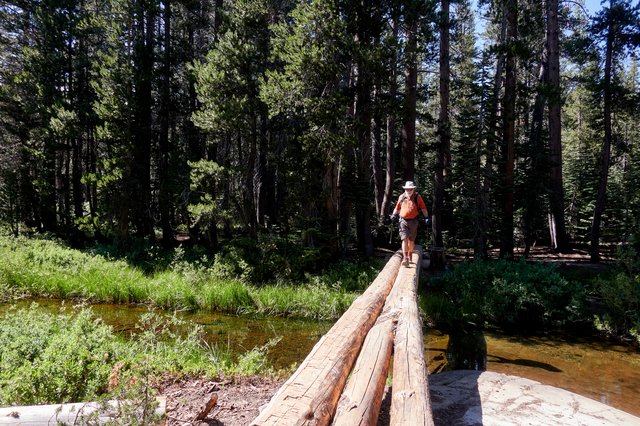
(411, 244)
(405, 249)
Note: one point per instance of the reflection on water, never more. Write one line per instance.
(466, 350)
(590, 367)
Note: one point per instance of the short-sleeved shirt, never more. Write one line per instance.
(411, 206)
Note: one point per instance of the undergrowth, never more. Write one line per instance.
(74, 357)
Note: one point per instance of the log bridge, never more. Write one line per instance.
(342, 380)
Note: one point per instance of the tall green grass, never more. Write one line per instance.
(40, 267)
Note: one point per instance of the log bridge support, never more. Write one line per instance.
(342, 380)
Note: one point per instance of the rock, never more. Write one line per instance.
(469, 398)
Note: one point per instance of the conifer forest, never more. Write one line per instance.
(199, 121)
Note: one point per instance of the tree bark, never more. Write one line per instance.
(535, 182)
(556, 194)
(605, 154)
(142, 129)
(164, 199)
(508, 132)
(376, 156)
(411, 89)
(391, 129)
(362, 110)
(444, 130)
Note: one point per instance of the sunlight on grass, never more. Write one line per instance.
(48, 268)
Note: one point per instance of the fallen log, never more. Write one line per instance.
(362, 396)
(410, 404)
(70, 413)
(311, 394)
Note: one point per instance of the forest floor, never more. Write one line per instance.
(239, 400)
(579, 255)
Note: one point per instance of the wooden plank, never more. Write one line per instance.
(311, 394)
(361, 399)
(410, 404)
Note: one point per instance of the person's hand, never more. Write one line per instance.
(394, 217)
(427, 220)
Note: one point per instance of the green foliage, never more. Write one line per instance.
(255, 361)
(269, 258)
(512, 295)
(205, 209)
(73, 357)
(620, 297)
(306, 301)
(51, 359)
(135, 402)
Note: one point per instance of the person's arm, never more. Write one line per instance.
(425, 212)
(396, 211)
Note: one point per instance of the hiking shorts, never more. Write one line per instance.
(408, 228)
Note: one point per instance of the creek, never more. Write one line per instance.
(587, 365)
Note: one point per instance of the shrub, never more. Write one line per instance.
(621, 300)
(47, 359)
(511, 295)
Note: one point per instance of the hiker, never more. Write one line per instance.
(407, 209)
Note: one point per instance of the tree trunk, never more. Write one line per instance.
(332, 194)
(164, 198)
(250, 191)
(556, 194)
(411, 83)
(484, 177)
(142, 130)
(362, 113)
(605, 154)
(534, 183)
(508, 135)
(391, 129)
(444, 130)
(376, 156)
(260, 180)
(410, 404)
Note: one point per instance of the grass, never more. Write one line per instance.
(42, 267)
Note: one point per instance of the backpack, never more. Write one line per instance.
(414, 198)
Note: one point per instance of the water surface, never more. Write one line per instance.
(591, 367)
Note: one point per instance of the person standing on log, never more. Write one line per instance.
(407, 210)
